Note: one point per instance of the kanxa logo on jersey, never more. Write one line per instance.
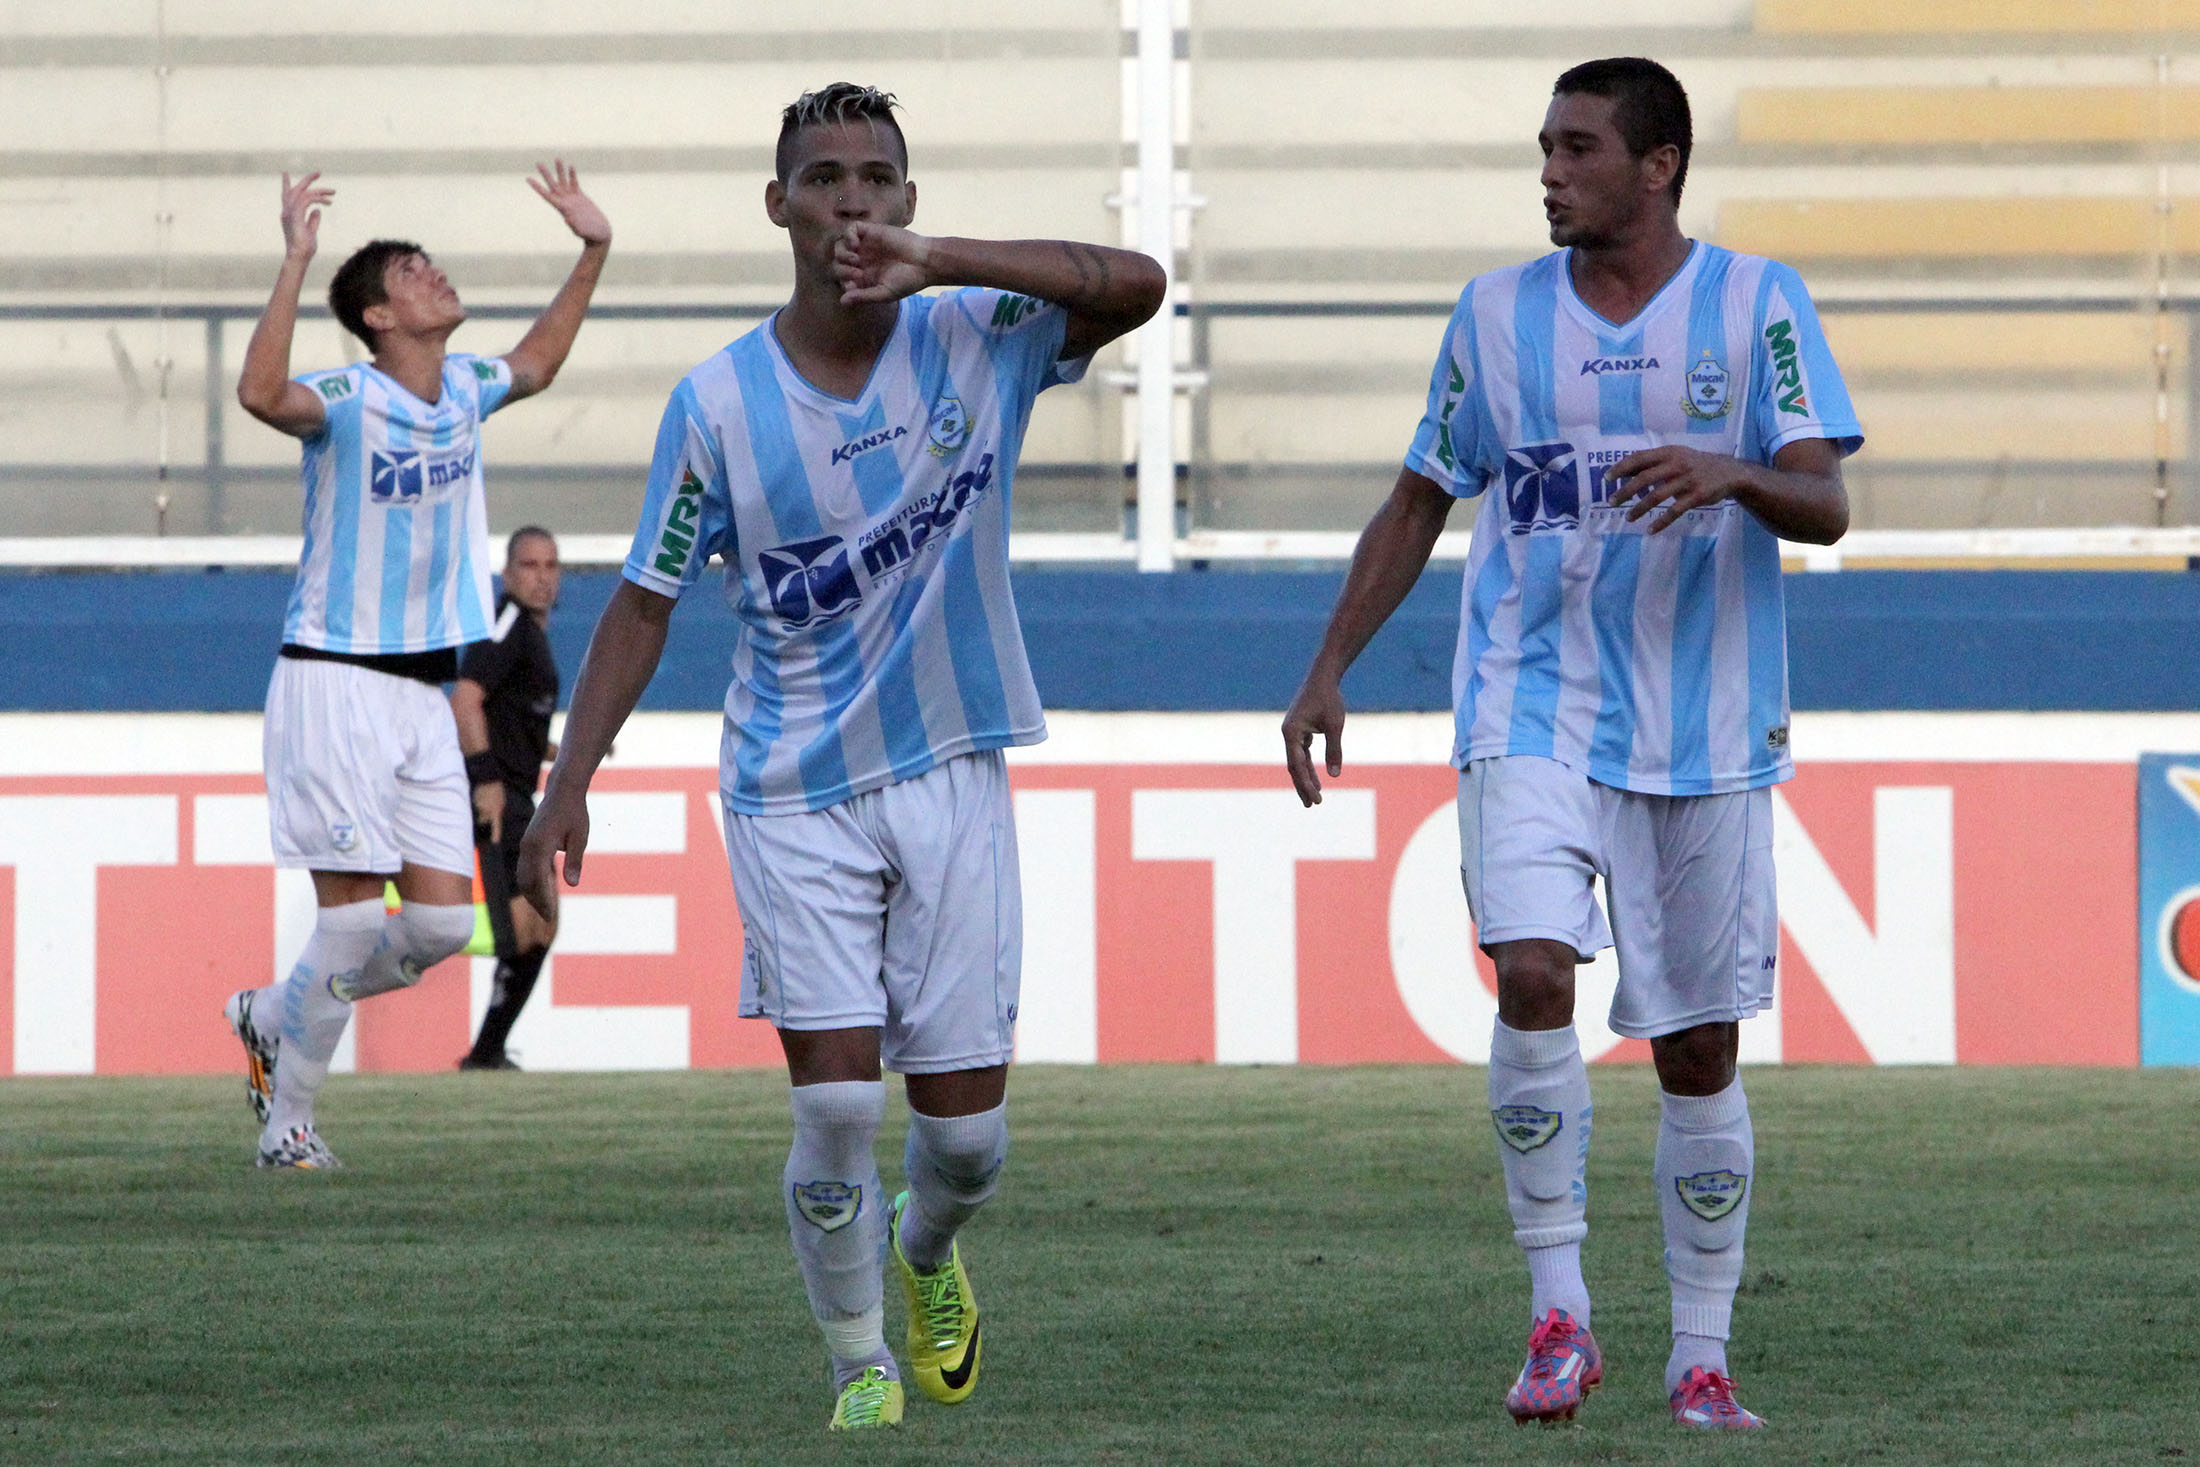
(1600, 366)
(810, 582)
(869, 441)
(897, 543)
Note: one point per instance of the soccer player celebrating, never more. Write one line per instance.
(851, 460)
(364, 779)
(1644, 416)
(507, 689)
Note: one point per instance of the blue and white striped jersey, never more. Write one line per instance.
(866, 546)
(396, 554)
(1655, 663)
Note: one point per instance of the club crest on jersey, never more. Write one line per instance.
(1542, 488)
(810, 581)
(830, 1206)
(396, 477)
(1707, 385)
(1712, 1195)
(1526, 1127)
(949, 429)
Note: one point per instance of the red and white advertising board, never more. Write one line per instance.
(1954, 888)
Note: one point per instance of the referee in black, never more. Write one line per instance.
(507, 689)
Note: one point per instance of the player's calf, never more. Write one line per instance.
(418, 937)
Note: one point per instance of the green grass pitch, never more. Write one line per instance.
(1256, 1266)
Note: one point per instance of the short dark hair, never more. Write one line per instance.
(1649, 106)
(835, 103)
(358, 283)
(526, 532)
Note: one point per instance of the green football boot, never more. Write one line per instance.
(872, 1399)
(943, 1320)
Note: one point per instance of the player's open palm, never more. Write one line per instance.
(302, 204)
(879, 262)
(560, 187)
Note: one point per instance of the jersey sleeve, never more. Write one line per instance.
(492, 377)
(1796, 390)
(687, 511)
(1022, 334)
(339, 393)
(1453, 440)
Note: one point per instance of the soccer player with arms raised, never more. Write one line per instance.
(851, 460)
(1645, 417)
(365, 782)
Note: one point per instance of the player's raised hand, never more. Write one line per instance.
(880, 262)
(560, 824)
(1670, 480)
(1318, 708)
(560, 187)
(302, 204)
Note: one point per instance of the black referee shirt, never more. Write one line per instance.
(519, 683)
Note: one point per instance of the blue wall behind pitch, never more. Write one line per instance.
(1226, 639)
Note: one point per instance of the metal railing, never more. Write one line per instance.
(1185, 540)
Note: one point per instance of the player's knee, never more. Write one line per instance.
(839, 1119)
(429, 934)
(965, 1153)
(1535, 983)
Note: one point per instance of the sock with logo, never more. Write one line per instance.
(1706, 1153)
(306, 1012)
(1539, 1102)
(515, 980)
(420, 936)
(953, 1164)
(836, 1217)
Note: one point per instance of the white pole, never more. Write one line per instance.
(1157, 237)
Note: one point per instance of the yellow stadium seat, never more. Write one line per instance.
(1923, 116)
(1947, 229)
(1962, 17)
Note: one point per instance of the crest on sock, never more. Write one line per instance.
(1712, 1195)
(829, 1206)
(1526, 1127)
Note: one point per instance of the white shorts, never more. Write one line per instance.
(1688, 879)
(363, 771)
(900, 908)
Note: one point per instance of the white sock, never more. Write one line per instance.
(835, 1216)
(953, 1164)
(305, 1011)
(1539, 1102)
(420, 936)
(1705, 1159)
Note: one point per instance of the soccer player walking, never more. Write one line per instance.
(507, 689)
(365, 783)
(1644, 417)
(852, 461)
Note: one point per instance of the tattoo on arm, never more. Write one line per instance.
(1094, 277)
